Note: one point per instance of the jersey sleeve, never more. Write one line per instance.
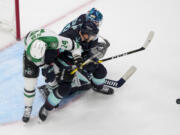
(65, 43)
(75, 23)
(68, 44)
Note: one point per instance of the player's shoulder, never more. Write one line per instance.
(42, 32)
(82, 18)
(71, 33)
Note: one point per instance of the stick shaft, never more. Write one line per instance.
(123, 54)
(146, 43)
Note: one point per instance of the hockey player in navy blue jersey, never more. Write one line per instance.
(86, 37)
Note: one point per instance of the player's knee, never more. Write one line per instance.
(100, 72)
(99, 75)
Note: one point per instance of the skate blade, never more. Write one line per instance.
(26, 124)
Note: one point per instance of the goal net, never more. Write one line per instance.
(9, 17)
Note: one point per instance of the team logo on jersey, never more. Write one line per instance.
(29, 71)
(64, 43)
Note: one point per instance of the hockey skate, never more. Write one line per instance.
(105, 90)
(43, 113)
(27, 114)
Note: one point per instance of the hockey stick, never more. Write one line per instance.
(145, 45)
(113, 83)
(108, 82)
(84, 63)
(122, 80)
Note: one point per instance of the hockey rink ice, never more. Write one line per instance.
(144, 105)
(11, 75)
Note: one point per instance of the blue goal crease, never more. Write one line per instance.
(12, 86)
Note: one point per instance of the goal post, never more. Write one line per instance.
(10, 17)
(17, 14)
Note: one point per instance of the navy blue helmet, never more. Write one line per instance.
(89, 28)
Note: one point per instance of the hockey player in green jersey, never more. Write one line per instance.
(41, 48)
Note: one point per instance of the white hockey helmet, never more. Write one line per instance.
(37, 49)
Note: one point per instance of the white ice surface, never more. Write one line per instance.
(145, 105)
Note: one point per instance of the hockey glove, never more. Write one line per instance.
(48, 73)
(78, 61)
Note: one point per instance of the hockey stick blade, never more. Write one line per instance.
(148, 39)
(122, 80)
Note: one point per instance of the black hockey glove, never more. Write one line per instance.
(49, 74)
(78, 61)
(50, 56)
